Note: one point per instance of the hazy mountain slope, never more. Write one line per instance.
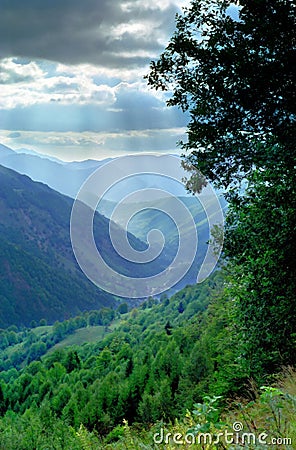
(5, 151)
(54, 174)
(63, 177)
(39, 275)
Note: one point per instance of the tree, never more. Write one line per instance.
(3, 341)
(122, 308)
(168, 328)
(235, 76)
(2, 402)
(181, 308)
(36, 351)
(234, 73)
(260, 240)
(72, 361)
(33, 324)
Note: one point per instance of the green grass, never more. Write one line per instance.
(40, 331)
(81, 336)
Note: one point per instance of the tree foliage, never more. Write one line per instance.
(235, 75)
(261, 245)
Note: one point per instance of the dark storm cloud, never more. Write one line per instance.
(72, 31)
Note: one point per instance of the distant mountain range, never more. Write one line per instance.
(68, 177)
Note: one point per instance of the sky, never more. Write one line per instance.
(71, 77)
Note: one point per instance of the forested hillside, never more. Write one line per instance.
(147, 367)
(147, 357)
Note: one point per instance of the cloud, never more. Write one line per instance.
(14, 135)
(14, 73)
(64, 98)
(93, 117)
(34, 83)
(28, 84)
(106, 33)
(70, 68)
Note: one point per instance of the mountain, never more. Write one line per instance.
(67, 178)
(61, 176)
(39, 276)
(139, 379)
(5, 151)
(28, 151)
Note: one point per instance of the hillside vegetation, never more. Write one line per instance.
(92, 388)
